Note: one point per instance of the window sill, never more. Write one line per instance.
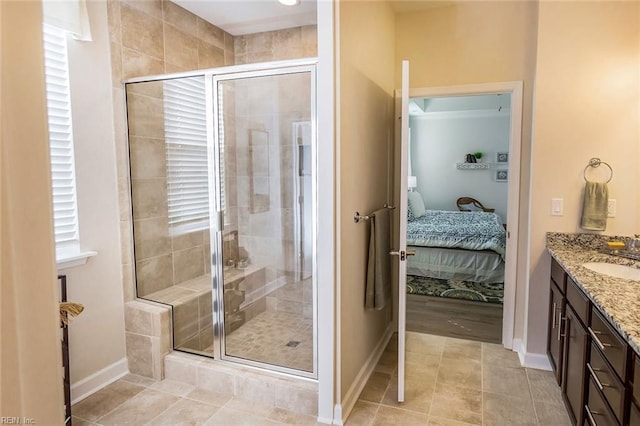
(76, 259)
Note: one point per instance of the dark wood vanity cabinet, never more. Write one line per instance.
(598, 372)
(557, 303)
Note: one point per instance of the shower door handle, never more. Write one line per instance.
(402, 254)
(220, 220)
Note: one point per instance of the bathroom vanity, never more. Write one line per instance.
(594, 332)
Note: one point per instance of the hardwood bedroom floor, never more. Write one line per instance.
(461, 319)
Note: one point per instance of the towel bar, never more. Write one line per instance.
(357, 217)
(596, 162)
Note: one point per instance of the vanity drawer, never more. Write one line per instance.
(558, 275)
(607, 381)
(597, 412)
(578, 301)
(609, 342)
(634, 415)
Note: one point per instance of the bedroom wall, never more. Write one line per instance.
(478, 42)
(365, 131)
(586, 105)
(438, 141)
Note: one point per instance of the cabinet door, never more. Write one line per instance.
(575, 350)
(555, 339)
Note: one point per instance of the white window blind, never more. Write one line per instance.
(65, 211)
(186, 143)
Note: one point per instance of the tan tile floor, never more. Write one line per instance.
(450, 382)
(136, 400)
(458, 382)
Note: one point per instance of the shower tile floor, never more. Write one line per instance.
(271, 337)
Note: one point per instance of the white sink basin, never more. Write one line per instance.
(618, 271)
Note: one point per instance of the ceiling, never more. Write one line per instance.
(239, 17)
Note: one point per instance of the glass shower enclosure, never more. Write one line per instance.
(222, 167)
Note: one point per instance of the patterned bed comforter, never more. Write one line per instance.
(453, 229)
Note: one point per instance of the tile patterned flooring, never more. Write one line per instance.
(449, 382)
(458, 382)
(265, 339)
(135, 400)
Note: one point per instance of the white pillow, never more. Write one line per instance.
(416, 203)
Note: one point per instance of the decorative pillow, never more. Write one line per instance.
(416, 204)
(471, 207)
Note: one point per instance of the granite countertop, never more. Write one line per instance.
(618, 299)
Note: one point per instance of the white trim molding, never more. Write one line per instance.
(529, 359)
(98, 380)
(343, 409)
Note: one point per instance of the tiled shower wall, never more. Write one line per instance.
(149, 37)
(155, 37)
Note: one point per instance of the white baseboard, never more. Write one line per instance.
(89, 385)
(530, 359)
(342, 410)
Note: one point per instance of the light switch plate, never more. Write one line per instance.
(611, 207)
(557, 208)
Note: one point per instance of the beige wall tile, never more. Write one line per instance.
(124, 199)
(115, 49)
(260, 42)
(188, 264)
(126, 242)
(229, 44)
(210, 379)
(153, 89)
(149, 198)
(210, 33)
(136, 64)
(295, 399)
(185, 321)
(310, 41)
(258, 389)
(181, 49)
(150, 7)
(141, 32)
(139, 354)
(148, 157)
(210, 56)
(154, 274)
(180, 369)
(205, 310)
(137, 320)
(128, 286)
(180, 18)
(174, 387)
(151, 237)
(185, 241)
(113, 20)
(146, 116)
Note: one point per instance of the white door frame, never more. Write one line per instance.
(513, 192)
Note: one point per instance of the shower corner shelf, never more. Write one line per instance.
(473, 166)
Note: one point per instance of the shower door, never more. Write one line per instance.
(266, 303)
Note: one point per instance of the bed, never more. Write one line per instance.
(454, 245)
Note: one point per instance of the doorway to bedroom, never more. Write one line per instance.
(459, 179)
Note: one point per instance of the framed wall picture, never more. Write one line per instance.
(502, 157)
(502, 175)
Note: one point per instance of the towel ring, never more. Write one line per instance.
(596, 162)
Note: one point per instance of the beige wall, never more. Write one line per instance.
(477, 42)
(366, 128)
(586, 105)
(30, 360)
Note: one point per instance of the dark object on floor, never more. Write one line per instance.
(292, 344)
(466, 290)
